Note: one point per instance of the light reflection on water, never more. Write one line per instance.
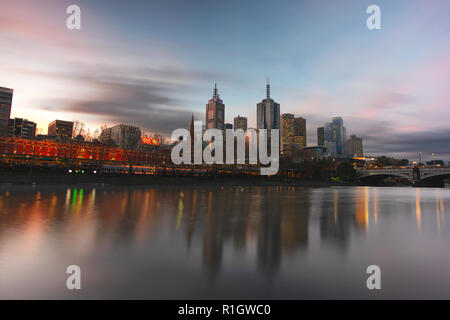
(252, 242)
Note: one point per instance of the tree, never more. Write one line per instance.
(346, 172)
(78, 129)
(129, 140)
(78, 133)
(383, 161)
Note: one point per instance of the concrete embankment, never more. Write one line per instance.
(65, 179)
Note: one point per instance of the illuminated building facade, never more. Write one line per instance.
(61, 130)
(287, 133)
(293, 133)
(14, 149)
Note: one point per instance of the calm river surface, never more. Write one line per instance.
(227, 243)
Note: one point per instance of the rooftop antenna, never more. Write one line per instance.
(215, 93)
(268, 88)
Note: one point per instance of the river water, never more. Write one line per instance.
(224, 243)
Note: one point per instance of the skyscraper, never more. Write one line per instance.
(240, 123)
(215, 112)
(321, 136)
(333, 136)
(268, 115)
(300, 131)
(293, 133)
(268, 112)
(6, 96)
(287, 133)
(339, 134)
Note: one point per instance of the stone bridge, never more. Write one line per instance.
(419, 176)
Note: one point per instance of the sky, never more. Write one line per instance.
(154, 63)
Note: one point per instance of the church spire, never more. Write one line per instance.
(192, 125)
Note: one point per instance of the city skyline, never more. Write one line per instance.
(396, 100)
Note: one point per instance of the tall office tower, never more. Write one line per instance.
(293, 133)
(60, 129)
(215, 112)
(355, 146)
(321, 136)
(268, 115)
(287, 133)
(240, 123)
(300, 131)
(268, 112)
(22, 128)
(326, 136)
(6, 96)
(339, 132)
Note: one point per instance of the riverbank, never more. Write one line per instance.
(147, 180)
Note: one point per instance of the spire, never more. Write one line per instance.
(215, 92)
(268, 88)
(192, 125)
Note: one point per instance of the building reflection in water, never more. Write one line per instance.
(262, 224)
(336, 217)
(418, 210)
(362, 207)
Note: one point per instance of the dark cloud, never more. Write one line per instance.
(381, 138)
(410, 144)
(154, 99)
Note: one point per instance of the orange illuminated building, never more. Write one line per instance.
(85, 153)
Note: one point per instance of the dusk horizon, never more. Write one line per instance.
(134, 65)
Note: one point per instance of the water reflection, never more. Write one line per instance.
(217, 228)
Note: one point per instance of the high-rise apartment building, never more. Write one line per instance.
(215, 112)
(6, 97)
